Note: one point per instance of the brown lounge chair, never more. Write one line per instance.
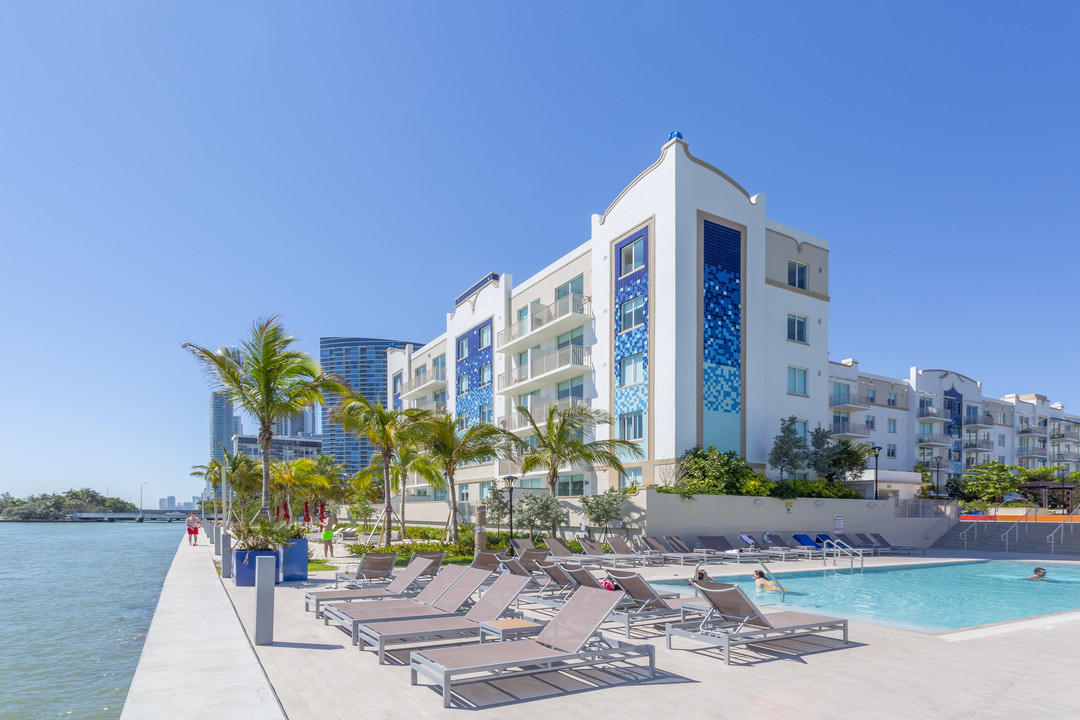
(516, 567)
(649, 605)
(490, 606)
(401, 586)
(522, 544)
(595, 549)
(887, 546)
(532, 558)
(732, 619)
(623, 548)
(568, 642)
(655, 546)
(774, 552)
(350, 615)
(373, 566)
(561, 553)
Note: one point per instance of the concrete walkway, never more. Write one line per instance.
(197, 661)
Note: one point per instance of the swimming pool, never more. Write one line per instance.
(927, 598)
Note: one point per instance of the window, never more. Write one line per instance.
(796, 274)
(890, 425)
(631, 426)
(631, 478)
(523, 314)
(1001, 459)
(890, 451)
(891, 400)
(925, 402)
(440, 496)
(633, 313)
(926, 455)
(1001, 441)
(439, 396)
(421, 371)
(574, 387)
(632, 256)
(800, 428)
(532, 483)
(632, 370)
(1001, 418)
(574, 287)
(485, 336)
(462, 384)
(463, 493)
(439, 363)
(871, 421)
(871, 395)
(796, 381)
(397, 384)
(463, 348)
(574, 337)
(571, 485)
(523, 359)
(485, 413)
(796, 328)
(485, 375)
(841, 392)
(485, 490)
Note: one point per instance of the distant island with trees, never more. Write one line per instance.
(59, 506)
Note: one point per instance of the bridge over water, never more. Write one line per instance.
(133, 516)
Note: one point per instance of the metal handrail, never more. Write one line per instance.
(1070, 519)
(1015, 527)
(840, 548)
(948, 518)
(772, 578)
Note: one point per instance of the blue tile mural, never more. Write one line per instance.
(722, 337)
(954, 404)
(468, 403)
(635, 340)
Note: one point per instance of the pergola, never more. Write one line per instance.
(1045, 487)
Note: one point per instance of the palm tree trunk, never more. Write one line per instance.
(388, 510)
(266, 439)
(453, 508)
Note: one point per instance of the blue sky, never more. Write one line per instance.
(171, 171)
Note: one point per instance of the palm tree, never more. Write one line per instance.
(267, 379)
(300, 475)
(210, 473)
(408, 459)
(387, 431)
(562, 442)
(451, 448)
(241, 479)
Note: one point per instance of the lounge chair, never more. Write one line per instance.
(778, 541)
(852, 544)
(782, 552)
(561, 553)
(648, 605)
(566, 643)
(738, 554)
(522, 544)
(623, 548)
(655, 546)
(561, 583)
(806, 542)
(733, 619)
(490, 606)
(828, 543)
(372, 566)
(897, 549)
(436, 559)
(516, 567)
(595, 549)
(346, 535)
(531, 558)
(401, 586)
(490, 561)
(352, 615)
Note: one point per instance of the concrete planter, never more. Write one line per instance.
(294, 560)
(244, 565)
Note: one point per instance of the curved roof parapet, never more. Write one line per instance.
(673, 139)
(951, 372)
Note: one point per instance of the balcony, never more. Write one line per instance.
(562, 364)
(433, 406)
(847, 401)
(1031, 451)
(419, 385)
(1027, 429)
(934, 439)
(1060, 457)
(1065, 434)
(850, 430)
(932, 414)
(985, 420)
(979, 445)
(516, 421)
(545, 322)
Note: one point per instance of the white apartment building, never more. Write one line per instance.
(693, 319)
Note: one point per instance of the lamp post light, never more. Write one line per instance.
(937, 467)
(876, 450)
(140, 499)
(510, 480)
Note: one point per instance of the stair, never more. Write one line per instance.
(1032, 538)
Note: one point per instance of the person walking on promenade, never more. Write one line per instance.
(193, 525)
(326, 525)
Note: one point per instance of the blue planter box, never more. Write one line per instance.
(244, 565)
(294, 560)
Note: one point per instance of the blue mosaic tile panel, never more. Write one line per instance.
(397, 396)
(468, 403)
(636, 340)
(722, 336)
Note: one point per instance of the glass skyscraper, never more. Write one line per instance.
(223, 424)
(360, 362)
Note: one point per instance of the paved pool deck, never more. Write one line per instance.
(1018, 670)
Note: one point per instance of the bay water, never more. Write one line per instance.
(76, 600)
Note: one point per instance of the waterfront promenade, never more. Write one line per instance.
(1014, 670)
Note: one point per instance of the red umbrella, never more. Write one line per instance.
(285, 508)
(322, 510)
(307, 515)
(277, 512)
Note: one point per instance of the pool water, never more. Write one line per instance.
(927, 598)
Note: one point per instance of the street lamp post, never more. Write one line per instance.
(510, 480)
(937, 467)
(140, 499)
(877, 451)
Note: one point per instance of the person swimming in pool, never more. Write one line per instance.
(1040, 574)
(762, 582)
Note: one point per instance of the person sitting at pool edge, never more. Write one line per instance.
(1040, 574)
(762, 582)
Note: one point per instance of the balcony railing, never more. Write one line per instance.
(435, 406)
(418, 381)
(933, 439)
(984, 420)
(1065, 457)
(1026, 429)
(1065, 435)
(848, 400)
(850, 428)
(931, 413)
(566, 305)
(516, 420)
(571, 355)
(1030, 451)
(979, 445)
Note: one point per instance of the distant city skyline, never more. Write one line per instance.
(348, 168)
